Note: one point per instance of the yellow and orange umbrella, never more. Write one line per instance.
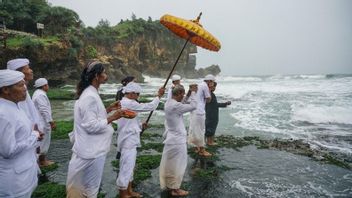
(193, 32)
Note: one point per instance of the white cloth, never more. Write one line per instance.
(9, 77)
(173, 165)
(127, 164)
(32, 113)
(92, 133)
(169, 93)
(132, 87)
(175, 77)
(175, 131)
(196, 130)
(84, 176)
(202, 93)
(129, 129)
(128, 138)
(174, 159)
(42, 104)
(18, 162)
(40, 82)
(209, 77)
(14, 64)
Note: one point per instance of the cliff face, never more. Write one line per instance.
(152, 52)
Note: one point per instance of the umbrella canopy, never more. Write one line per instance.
(192, 30)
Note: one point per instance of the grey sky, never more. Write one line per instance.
(258, 37)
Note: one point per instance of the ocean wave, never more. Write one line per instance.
(324, 114)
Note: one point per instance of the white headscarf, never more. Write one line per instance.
(9, 77)
(40, 82)
(132, 87)
(14, 64)
(209, 77)
(175, 77)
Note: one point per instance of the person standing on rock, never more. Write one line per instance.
(42, 103)
(92, 134)
(128, 139)
(197, 120)
(212, 116)
(18, 141)
(174, 158)
(22, 65)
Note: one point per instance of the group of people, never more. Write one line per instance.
(26, 124)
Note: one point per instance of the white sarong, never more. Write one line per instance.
(84, 176)
(173, 165)
(127, 164)
(196, 130)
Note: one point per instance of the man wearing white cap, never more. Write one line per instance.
(42, 103)
(129, 136)
(18, 166)
(176, 80)
(22, 65)
(197, 119)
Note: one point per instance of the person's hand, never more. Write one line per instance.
(161, 92)
(41, 136)
(52, 125)
(114, 106)
(228, 102)
(117, 114)
(129, 114)
(144, 126)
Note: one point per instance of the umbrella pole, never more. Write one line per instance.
(172, 70)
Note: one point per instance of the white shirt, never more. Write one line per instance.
(202, 93)
(92, 133)
(176, 132)
(28, 107)
(129, 129)
(42, 103)
(18, 162)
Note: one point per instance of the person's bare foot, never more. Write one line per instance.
(205, 153)
(179, 193)
(135, 194)
(46, 163)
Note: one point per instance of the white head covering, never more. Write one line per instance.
(209, 77)
(9, 77)
(14, 64)
(132, 87)
(175, 77)
(40, 82)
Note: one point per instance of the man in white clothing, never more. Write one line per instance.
(174, 159)
(197, 120)
(92, 134)
(42, 103)
(18, 142)
(22, 65)
(129, 136)
(176, 80)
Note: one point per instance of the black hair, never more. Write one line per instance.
(127, 80)
(88, 74)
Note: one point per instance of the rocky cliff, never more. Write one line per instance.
(152, 51)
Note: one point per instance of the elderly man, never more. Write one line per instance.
(18, 166)
(22, 65)
(42, 103)
(197, 120)
(174, 159)
(176, 80)
(129, 136)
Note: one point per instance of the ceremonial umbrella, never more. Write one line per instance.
(193, 32)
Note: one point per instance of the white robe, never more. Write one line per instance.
(42, 104)
(18, 162)
(128, 138)
(197, 118)
(92, 139)
(174, 158)
(28, 107)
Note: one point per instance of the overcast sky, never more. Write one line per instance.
(258, 37)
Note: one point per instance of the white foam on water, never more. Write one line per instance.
(323, 114)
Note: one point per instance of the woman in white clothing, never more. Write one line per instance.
(91, 135)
